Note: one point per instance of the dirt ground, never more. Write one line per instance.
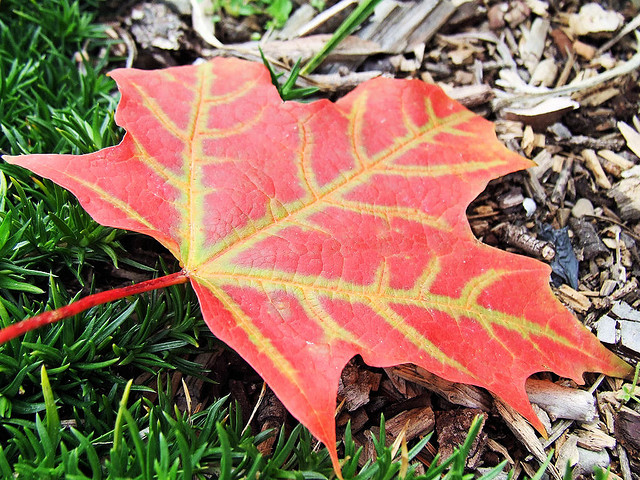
(560, 80)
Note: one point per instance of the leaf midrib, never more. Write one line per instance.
(193, 147)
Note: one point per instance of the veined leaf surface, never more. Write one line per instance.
(315, 232)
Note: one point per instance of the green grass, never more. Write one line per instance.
(277, 11)
(68, 408)
(152, 440)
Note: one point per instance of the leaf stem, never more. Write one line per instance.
(24, 326)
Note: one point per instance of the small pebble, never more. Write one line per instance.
(529, 205)
(582, 207)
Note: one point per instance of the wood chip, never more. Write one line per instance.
(471, 95)
(584, 50)
(625, 311)
(544, 161)
(453, 426)
(519, 237)
(562, 41)
(582, 207)
(574, 299)
(593, 164)
(456, 393)
(336, 82)
(418, 422)
(533, 46)
(630, 335)
(594, 143)
(567, 452)
(562, 402)
(298, 20)
(597, 97)
(631, 136)
(531, 140)
(406, 24)
(324, 16)
(594, 439)
(626, 193)
(593, 18)
(501, 449)
(355, 385)
(525, 433)
(545, 73)
(627, 429)
(306, 47)
(560, 188)
(619, 160)
(624, 464)
(542, 115)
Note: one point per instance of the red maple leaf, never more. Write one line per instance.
(315, 232)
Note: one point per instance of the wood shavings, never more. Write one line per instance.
(538, 7)
(631, 135)
(593, 164)
(619, 160)
(544, 114)
(594, 439)
(626, 193)
(532, 94)
(525, 433)
(573, 299)
(519, 237)
(593, 18)
(584, 50)
(456, 393)
(545, 73)
(531, 140)
(532, 47)
(562, 402)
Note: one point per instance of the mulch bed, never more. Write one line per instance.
(577, 210)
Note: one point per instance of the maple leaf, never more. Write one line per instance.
(315, 232)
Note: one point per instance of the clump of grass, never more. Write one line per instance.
(56, 98)
(155, 440)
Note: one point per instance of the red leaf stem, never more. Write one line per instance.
(17, 329)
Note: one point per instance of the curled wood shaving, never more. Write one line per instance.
(623, 69)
